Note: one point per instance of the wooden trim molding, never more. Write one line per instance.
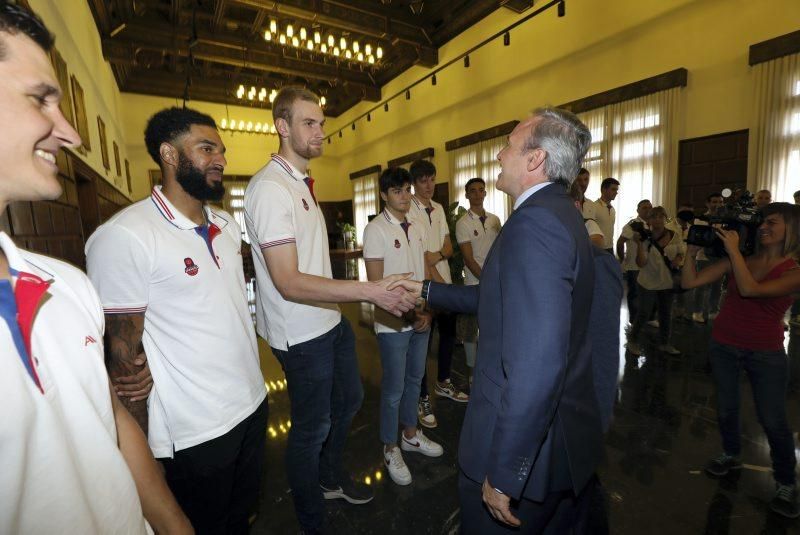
(648, 86)
(775, 48)
(476, 137)
(366, 171)
(414, 156)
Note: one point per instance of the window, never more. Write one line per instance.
(233, 203)
(633, 141)
(775, 136)
(365, 202)
(480, 160)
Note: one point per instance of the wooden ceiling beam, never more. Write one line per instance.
(217, 48)
(338, 16)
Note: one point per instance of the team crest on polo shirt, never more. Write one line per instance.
(305, 204)
(475, 231)
(191, 267)
(396, 244)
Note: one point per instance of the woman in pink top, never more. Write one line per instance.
(748, 333)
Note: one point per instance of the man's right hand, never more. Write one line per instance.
(390, 296)
(411, 286)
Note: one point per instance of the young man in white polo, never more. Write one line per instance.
(475, 234)
(169, 273)
(296, 310)
(71, 457)
(430, 214)
(393, 245)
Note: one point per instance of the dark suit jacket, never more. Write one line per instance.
(604, 330)
(532, 425)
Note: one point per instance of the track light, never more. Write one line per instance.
(466, 62)
(273, 26)
(369, 117)
(506, 39)
(386, 107)
(303, 34)
(289, 31)
(353, 125)
(340, 133)
(562, 9)
(408, 94)
(433, 80)
(329, 141)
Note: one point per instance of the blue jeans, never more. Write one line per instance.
(403, 361)
(768, 372)
(325, 392)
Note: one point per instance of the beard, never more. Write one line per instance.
(195, 183)
(306, 151)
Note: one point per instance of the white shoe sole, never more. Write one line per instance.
(426, 424)
(412, 449)
(401, 482)
(339, 495)
(447, 395)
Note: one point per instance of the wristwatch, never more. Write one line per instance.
(426, 286)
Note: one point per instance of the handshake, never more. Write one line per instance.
(396, 294)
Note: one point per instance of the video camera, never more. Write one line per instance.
(739, 213)
(638, 227)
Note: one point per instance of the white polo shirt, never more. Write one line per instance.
(198, 333)
(402, 251)
(435, 222)
(605, 215)
(481, 234)
(60, 467)
(279, 209)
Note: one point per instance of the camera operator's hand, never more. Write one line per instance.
(729, 238)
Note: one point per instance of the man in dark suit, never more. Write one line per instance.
(532, 434)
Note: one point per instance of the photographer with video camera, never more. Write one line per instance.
(748, 333)
(659, 252)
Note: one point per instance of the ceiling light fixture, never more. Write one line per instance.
(506, 39)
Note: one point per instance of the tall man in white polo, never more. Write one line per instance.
(475, 234)
(297, 314)
(603, 212)
(169, 273)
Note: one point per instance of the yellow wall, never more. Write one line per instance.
(597, 46)
(78, 42)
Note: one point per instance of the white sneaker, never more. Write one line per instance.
(697, 317)
(396, 466)
(669, 349)
(421, 444)
(654, 323)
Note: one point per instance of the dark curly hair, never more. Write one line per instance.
(169, 124)
(422, 169)
(16, 19)
(393, 177)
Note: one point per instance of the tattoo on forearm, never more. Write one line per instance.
(123, 343)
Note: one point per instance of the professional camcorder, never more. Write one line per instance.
(739, 213)
(639, 228)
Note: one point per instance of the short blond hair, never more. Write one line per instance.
(285, 99)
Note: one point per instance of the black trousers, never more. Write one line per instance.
(217, 482)
(560, 513)
(446, 322)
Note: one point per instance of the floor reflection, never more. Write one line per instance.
(663, 433)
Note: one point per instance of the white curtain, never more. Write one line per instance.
(774, 162)
(479, 160)
(635, 141)
(365, 202)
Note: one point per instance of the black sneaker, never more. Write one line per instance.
(350, 491)
(785, 501)
(723, 464)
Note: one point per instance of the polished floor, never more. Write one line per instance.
(663, 433)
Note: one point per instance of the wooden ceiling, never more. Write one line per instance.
(155, 46)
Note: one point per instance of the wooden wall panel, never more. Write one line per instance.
(709, 164)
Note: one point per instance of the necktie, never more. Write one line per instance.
(608, 205)
(405, 225)
(483, 221)
(310, 183)
(428, 211)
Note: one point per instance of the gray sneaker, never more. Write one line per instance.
(785, 501)
(425, 413)
(723, 464)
